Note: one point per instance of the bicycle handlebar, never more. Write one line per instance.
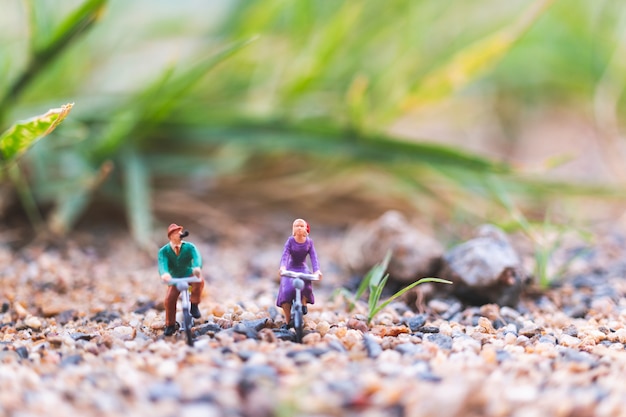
(189, 280)
(302, 275)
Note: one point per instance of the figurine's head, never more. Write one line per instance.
(300, 227)
(173, 228)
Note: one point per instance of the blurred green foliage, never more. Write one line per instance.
(166, 89)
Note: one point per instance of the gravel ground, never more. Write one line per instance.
(81, 333)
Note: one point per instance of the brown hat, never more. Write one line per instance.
(172, 228)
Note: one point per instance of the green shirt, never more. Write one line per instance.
(182, 265)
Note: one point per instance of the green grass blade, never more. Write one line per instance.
(44, 52)
(407, 288)
(26, 196)
(501, 194)
(474, 61)
(69, 30)
(140, 116)
(379, 272)
(375, 297)
(138, 196)
(71, 201)
(129, 118)
(364, 285)
(332, 141)
(21, 136)
(161, 105)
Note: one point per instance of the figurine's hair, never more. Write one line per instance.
(308, 228)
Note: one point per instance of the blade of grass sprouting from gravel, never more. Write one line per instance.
(403, 291)
(43, 53)
(26, 196)
(158, 100)
(22, 135)
(138, 196)
(473, 61)
(71, 202)
(376, 282)
(375, 295)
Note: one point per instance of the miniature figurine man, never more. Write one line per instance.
(179, 259)
(295, 252)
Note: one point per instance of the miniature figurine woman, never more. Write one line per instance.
(178, 259)
(297, 247)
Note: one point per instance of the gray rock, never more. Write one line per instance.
(414, 254)
(485, 269)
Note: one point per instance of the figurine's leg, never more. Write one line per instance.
(305, 301)
(170, 305)
(287, 312)
(196, 294)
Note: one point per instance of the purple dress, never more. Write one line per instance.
(294, 259)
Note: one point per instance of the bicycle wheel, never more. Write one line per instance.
(298, 323)
(187, 322)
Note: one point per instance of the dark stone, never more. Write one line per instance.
(499, 323)
(105, 316)
(548, 338)
(255, 375)
(255, 325)
(66, 316)
(572, 355)
(576, 311)
(22, 352)
(315, 351)
(337, 346)
(285, 334)
(250, 332)
(454, 309)
(429, 377)
(571, 330)
(429, 329)
(407, 348)
(164, 390)
(208, 328)
(244, 355)
(502, 355)
(441, 340)
(145, 307)
(71, 360)
(371, 346)
(416, 322)
(81, 336)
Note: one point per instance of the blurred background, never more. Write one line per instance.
(222, 113)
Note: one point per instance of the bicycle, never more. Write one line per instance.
(297, 315)
(182, 285)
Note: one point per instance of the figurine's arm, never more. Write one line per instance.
(284, 259)
(163, 270)
(196, 260)
(314, 262)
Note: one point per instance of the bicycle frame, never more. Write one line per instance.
(296, 304)
(182, 285)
